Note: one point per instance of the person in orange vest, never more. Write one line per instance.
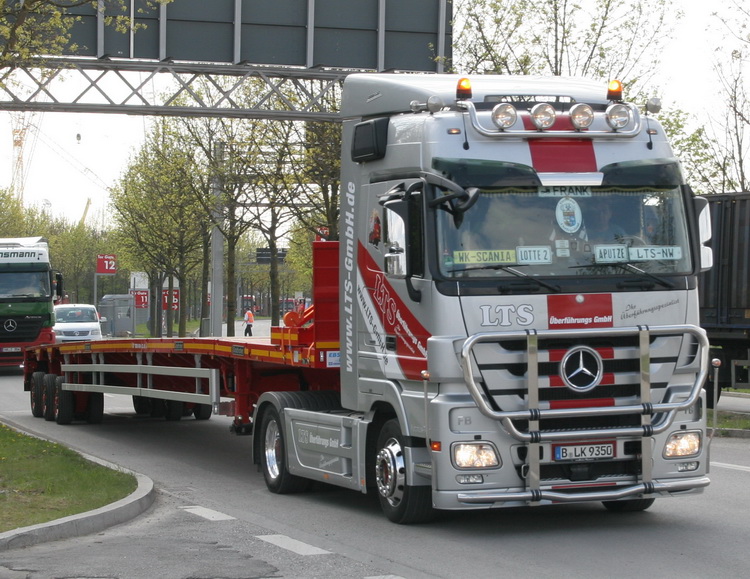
(249, 319)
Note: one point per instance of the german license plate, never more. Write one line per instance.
(591, 451)
(12, 349)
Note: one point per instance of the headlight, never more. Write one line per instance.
(682, 444)
(58, 333)
(504, 115)
(475, 455)
(96, 333)
(543, 116)
(618, 116)
(581, 115)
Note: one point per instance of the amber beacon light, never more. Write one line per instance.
(614, 90)
(463, 89)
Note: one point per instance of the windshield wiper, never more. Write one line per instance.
(529, 283)
(627, 266)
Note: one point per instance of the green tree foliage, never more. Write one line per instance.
(12, 216)
(30, 29)
(702, 168)
(314, 151)
(299, 259)
(161, 224)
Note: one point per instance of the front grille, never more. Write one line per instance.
(504, 372)
(19, 328)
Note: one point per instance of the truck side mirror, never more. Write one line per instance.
(704, 232)
(397, 222)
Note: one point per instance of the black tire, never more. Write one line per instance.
(630, 506)
(401, 503)
(66, 404)
(158, 408)
(36, 393)
(202, 411)
(95, 408)
(48, 397)
(142, 405)
(273, 454)
(174, 410)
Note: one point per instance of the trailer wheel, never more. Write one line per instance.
(95, 408)
(65, 403)
(158, 408)
(36, 394)
(174, 409)
(48, 397)
(202, 411)
(400, 502)
(273, 457)
(142, 405)
(628, 506)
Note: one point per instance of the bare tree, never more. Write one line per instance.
(597, 38)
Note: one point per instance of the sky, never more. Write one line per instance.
(62, 171)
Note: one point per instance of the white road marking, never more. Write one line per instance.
(731, 466)
(384, 577)
(207, 513)
(293, 545)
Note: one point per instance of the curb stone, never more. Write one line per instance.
(122, 511)
(84, 523)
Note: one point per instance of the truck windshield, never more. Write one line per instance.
(24, 284)
(613, 229)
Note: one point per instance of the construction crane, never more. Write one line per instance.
(20, 124)
(85, 212)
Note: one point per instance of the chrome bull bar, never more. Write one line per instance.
(533, 414)
(630, 491)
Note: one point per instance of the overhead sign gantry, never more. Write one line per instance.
(295, 52)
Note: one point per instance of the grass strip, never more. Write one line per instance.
(42, 481)
(729, 420)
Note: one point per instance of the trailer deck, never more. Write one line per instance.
(201, 375)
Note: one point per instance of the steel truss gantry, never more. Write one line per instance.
(127, 86)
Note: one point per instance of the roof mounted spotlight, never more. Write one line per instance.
(543, 116)
(435, 103)
(653, 105)
(618, 116)
(504, 116)
(581, 115)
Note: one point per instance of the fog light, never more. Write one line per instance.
(683, 443)
(470, 479)
(475, 455)
(687, 466)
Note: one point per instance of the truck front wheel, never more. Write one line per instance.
(273, 457)
(400, 502)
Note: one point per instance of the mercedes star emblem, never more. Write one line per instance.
(581, 368)
(10, 325)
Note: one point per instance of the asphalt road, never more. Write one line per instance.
(213, 517)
